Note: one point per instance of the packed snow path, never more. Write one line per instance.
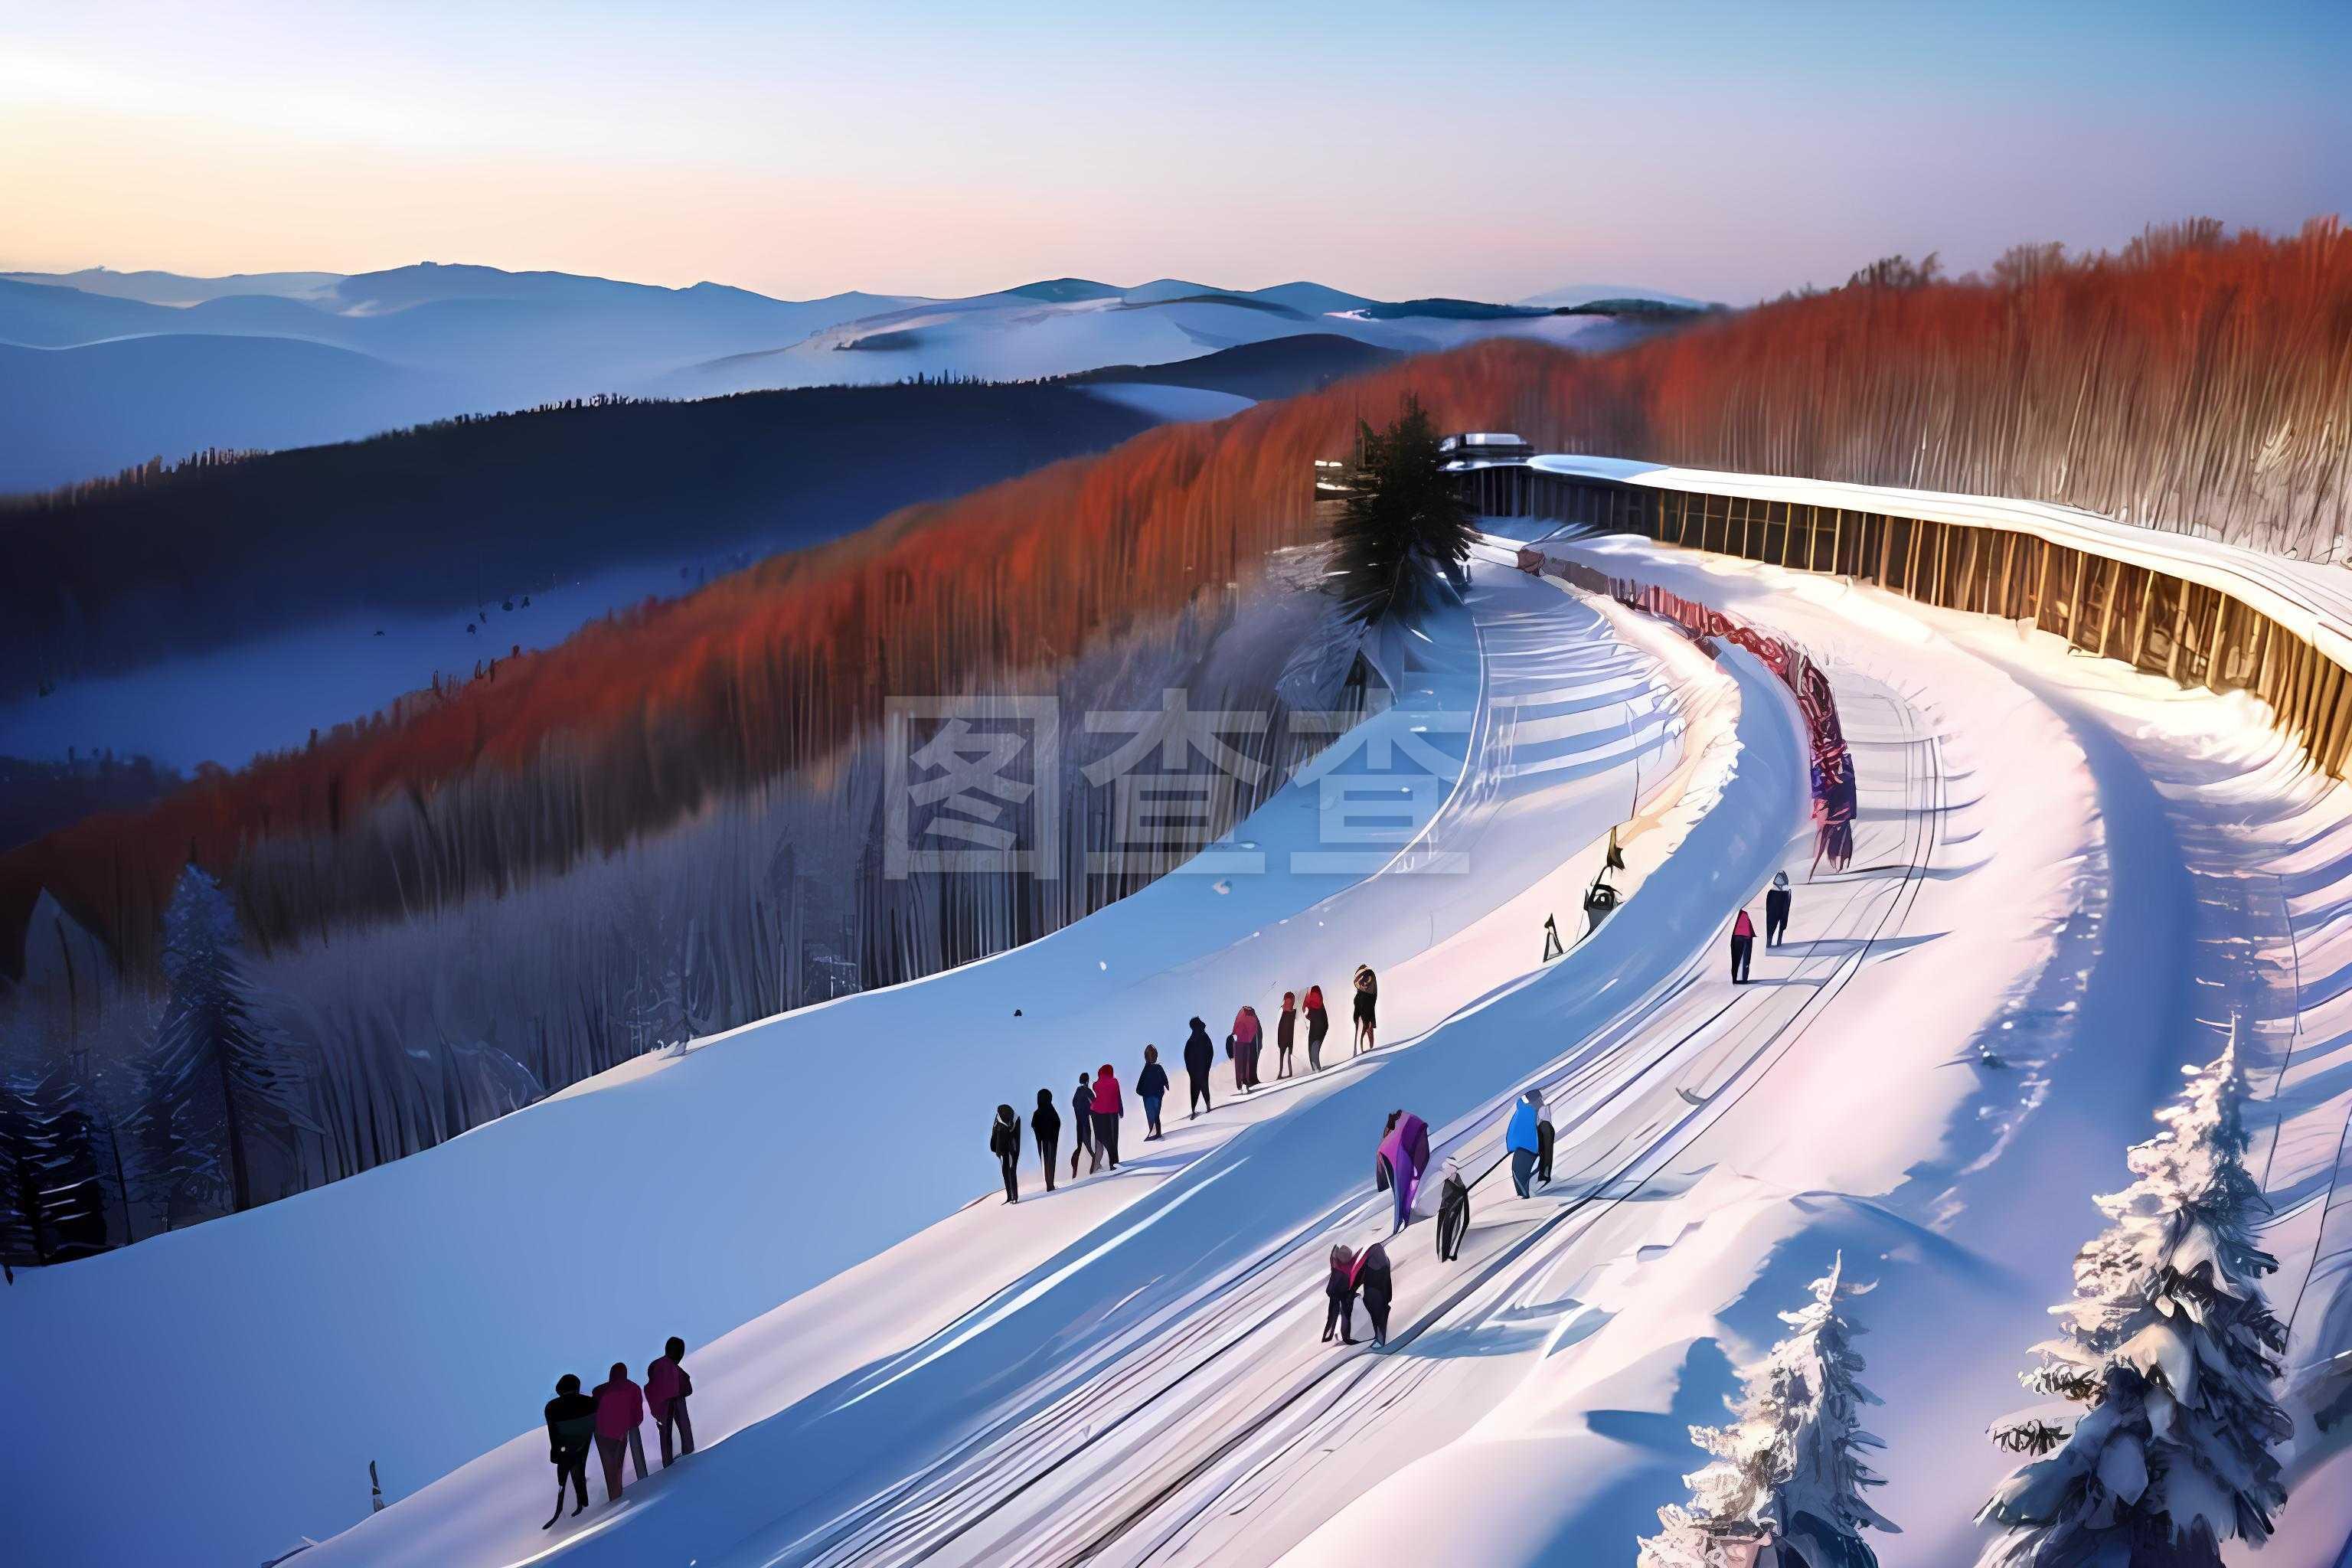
(434, 1299)
(1272, 1172)
(1221, 1436)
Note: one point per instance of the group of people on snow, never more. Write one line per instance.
(1096, 1103)
(609, 1420)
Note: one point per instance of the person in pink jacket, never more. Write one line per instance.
(1105, 1113)
(620, 1411)
(1249, 1039)
(1743, 944)
(666, 1386)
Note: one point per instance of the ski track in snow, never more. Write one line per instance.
(2068, 881)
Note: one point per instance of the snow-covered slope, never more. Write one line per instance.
(417, 1314)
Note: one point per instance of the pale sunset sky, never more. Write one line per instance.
(1492, 151)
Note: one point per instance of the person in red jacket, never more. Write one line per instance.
(620, 1411)
(1743, 944)
(1104, 1109)
(666, 1386)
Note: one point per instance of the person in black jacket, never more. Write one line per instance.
(1373, 1278)
(1004, 1143)
(1046, 1124)
(1082, 1114)
(1285, 1033)
(1152, 1088)
(570, 1429)
(1453, 1214)
(1775, 910)
(1200, 1059)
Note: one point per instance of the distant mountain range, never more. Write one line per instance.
(282, 359)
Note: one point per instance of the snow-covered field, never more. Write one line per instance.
(416, 1315)
(2068, 880)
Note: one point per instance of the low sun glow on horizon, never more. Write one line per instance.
(1392, 149)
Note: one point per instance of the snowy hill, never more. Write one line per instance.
(1586, 293)
(467, 338)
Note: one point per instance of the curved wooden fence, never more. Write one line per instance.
(2197, 612)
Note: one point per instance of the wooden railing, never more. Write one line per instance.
(2100, 600)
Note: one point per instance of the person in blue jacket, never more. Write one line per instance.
(1524, 1139)
(1152, 1088)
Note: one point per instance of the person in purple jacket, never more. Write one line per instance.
(1403, 1159)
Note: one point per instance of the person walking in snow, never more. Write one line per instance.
(1403, 1159)
(1522, 1141)
(1318, 1024)
(1082, 1117)
(571, 1433)
(1340, 1293)
(1107, 1108)
(620, 1411)
(1152, 1088)
(1453, 1214)
(1368, 996)
(1545, 1139)
(1775, 910)
(1743, 946)
(1373, 1279)
(1285, 1033)
(666, 1386)
(1199, 1056)
(1004, 1143)
(1046, 1125)
(1249, 1039)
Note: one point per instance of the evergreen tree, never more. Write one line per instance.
(50, 1152)
(221, 1081)
(1404, 531)
(2171, 1349)
(1788, 1468)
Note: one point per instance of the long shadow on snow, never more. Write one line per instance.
(768, 1493)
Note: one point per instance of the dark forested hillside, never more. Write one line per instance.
(452, 513)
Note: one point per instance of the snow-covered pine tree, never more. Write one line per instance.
(1788, 1468)
(221, 1080)
(2171, 1348)
(1403, 534)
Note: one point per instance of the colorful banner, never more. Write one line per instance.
(1834, 803)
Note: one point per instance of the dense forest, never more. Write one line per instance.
(113, 574)
(2195, 381)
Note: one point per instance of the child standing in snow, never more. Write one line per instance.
(1285, 1033)
(1318, 1024)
